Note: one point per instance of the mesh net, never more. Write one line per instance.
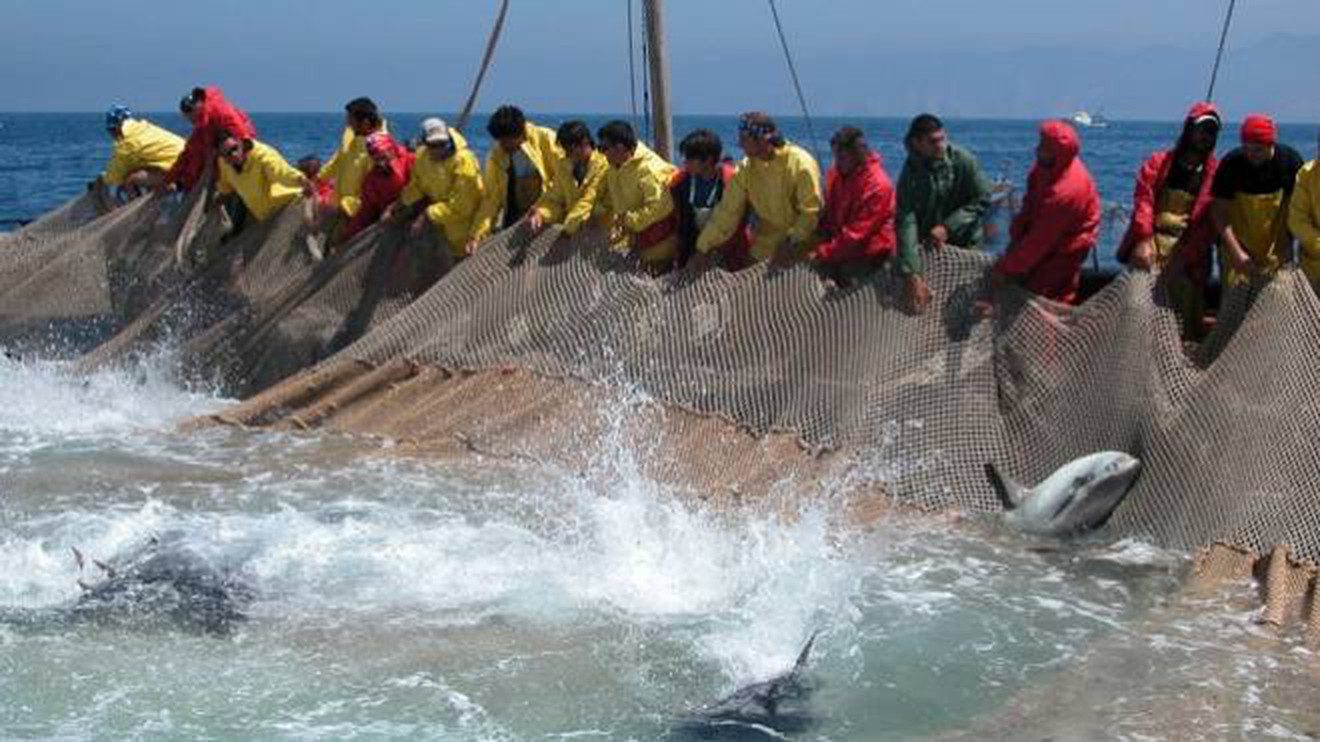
(526, 348)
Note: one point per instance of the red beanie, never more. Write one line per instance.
(1259, 129)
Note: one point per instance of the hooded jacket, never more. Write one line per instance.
(215, 115)
(380, 187)
(1304, 217)
(859, 214)
(951, 191)
(569, 202)
(1199, 235)
(348, 167)
(1058, 223)
(141, 145)
(452, 188)
(636, 197)
(266, 183)
(542, 152)
(783, 193)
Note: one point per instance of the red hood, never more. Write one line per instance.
(1203, 108)
(1061, 140)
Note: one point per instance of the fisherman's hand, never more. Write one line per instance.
(535, 221)
(1143, 255)
(700, 262)
(786, 255)
(984, 308)
(938, 237)
(1239, 259)
(471, 247)
(918, 293)
(418, 228)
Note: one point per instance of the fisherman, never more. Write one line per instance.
(143, 153)
(1171, 227)
(697, 188)
(210, 115)
(779, 182)
(578, 180)
(857, 228)
(1059, 221)
(392, 164)
(1251, 189)
(635, 199)
(350, 163)
(1304, 218)
(310, 167)
(518, 170)
(444, 189)
(258, 174)
(943, 197)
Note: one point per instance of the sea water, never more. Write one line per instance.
(398, 598)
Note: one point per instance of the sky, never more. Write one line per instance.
(1133, 59)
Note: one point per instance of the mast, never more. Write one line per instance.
(658, 52)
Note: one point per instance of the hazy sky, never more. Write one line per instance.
(1018, 58)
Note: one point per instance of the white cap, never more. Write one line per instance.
(435, 131)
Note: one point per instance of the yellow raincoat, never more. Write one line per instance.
(1304, 218)
(783, 192)
(542, 152)
(141, 145)
(568, 202)
(347, 168)
(452, 188)
(636, 198)
(266, 183)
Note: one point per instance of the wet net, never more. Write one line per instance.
(536, 347)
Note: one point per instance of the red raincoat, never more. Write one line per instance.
(380, 188)
(1059, 221)
(736, 251)
(858, 218)
(1200, 235)
(215, 114)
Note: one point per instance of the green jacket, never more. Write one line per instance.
(952, 191)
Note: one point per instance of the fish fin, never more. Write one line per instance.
(805, 653)
(109, 571)
(1010, 492)
(78, 558)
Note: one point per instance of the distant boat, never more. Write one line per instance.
(1090, 120)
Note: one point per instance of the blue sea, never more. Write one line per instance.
(46, 158)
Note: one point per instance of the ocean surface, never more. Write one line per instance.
(47, 158)
(395, 598)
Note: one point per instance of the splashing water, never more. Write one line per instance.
(398, 598)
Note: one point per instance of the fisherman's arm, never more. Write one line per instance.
(807, 203)
(725, 218)
(579, 213)
(968, 217)
(1303, 220)
(656, 205)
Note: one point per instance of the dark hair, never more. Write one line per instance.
(507, 121)
(923, 125)
(190, 101)
(308, 159)
(702, 144)
(848, 138)
(363, 110)
(617, 132)
(573, 133)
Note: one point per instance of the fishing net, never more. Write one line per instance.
(545, 349)
(236, 313)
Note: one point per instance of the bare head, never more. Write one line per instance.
(702, 151)
(850, 149)
(618, 142)
(508, 127)
(926, 137)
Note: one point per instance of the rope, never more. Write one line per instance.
(646, 81)
(632, 64)
(1219, 55)
(797, 86)
(485, 65)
